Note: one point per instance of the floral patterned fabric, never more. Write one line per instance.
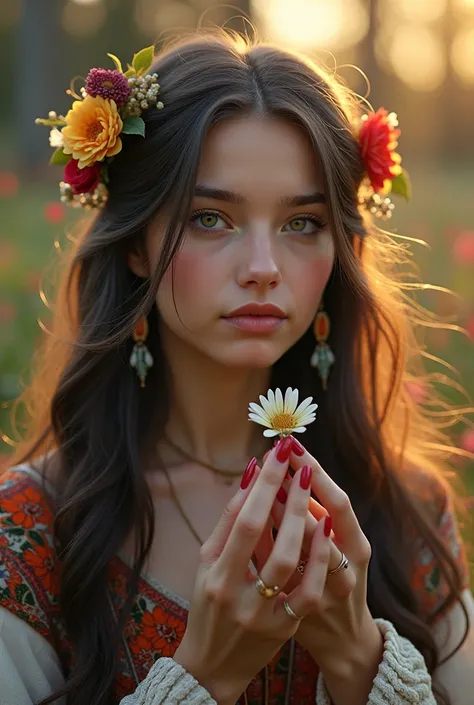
(29, 587)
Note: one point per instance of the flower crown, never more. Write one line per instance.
(112, 101)
(90, 135)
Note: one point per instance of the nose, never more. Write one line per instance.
(259, 269)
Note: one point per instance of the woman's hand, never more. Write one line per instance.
(336, 626)
(233, 631)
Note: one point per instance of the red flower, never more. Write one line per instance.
(109, 84)
(162, 631)
(378, 140)
(26, 509)
(81, 180)
(42, 562)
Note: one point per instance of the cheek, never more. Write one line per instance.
(189, 274)
(312, 278)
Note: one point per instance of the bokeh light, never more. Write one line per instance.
(422, 10)
(82, 19)
(462, 55)
(309, 24)
(418, 57)
(172, 14)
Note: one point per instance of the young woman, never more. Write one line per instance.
(140, 563)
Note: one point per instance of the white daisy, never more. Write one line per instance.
(280, 416)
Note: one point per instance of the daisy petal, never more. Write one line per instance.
(291, 400)
(257, 409)
(305, 420)
(304, 404)
(271, 397)
(269, 433)
(300, 429)
(266, 404)
(278, 401)
(258, 419)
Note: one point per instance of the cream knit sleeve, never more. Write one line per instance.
(167, 683)
(402, 677)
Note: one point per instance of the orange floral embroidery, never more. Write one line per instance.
(42, 562)
(163, 631)
(26, 508)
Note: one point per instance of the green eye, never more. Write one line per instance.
(298, 224)
(208, 220)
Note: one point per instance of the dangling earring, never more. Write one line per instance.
(141, 358)
(322, 357)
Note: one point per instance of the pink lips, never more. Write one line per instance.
(256, 318)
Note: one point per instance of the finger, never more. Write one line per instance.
(316, 512)
(346, 526)
(255, 512)
(285, 556)
(307, 596)
(213, 547)
(264, 547)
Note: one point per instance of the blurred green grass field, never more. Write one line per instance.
(441, 213)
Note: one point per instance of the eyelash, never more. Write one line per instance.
(319, 222)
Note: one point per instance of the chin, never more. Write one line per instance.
(251, 354)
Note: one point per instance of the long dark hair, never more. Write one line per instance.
(87, 407)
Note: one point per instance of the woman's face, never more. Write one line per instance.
(257, 234)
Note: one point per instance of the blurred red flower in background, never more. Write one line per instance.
(9, 184)
(54, 212)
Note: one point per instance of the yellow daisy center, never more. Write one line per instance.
(282, 421)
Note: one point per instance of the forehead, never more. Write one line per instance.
(259, 157)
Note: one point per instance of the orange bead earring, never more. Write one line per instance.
(323, 357)
(141, 358)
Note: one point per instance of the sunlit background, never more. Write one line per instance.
(418, 56)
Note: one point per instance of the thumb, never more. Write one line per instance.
(213, 547)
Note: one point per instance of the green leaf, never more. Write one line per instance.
(58, 157)
(143, 60)
(401, 185)
(51, 122)
(129, 72)
(117, 62)
(36, 537)
(133, 125)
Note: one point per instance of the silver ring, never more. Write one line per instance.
(342, 565)
(290, 612)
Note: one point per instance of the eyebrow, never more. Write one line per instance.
(217, 194)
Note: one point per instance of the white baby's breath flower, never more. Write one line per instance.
(283, 417)
(56, 138)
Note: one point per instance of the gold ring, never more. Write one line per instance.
(266, 591)
(343, 563)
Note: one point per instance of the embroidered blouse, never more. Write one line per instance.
(35, 653)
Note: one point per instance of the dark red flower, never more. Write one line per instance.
(108, 83)
(378, 141)
(81, 180)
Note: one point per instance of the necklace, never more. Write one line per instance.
(183, 514)
(228, 475)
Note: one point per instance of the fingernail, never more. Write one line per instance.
(298, 449)
(284, 449)
(282, 495)
(327, 525)
(305, 477)
(248, 474)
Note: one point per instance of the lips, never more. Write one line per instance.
(253, 309)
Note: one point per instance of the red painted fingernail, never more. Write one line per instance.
(298, 449)
(327, 525)
(305, 477)
(282, 495)
(284, 449)
(248, 474)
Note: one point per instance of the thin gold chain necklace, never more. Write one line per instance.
(228, 475)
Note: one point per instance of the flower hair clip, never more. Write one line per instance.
(378, 135)
(90, 135)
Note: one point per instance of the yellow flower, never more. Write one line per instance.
(92, 130)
